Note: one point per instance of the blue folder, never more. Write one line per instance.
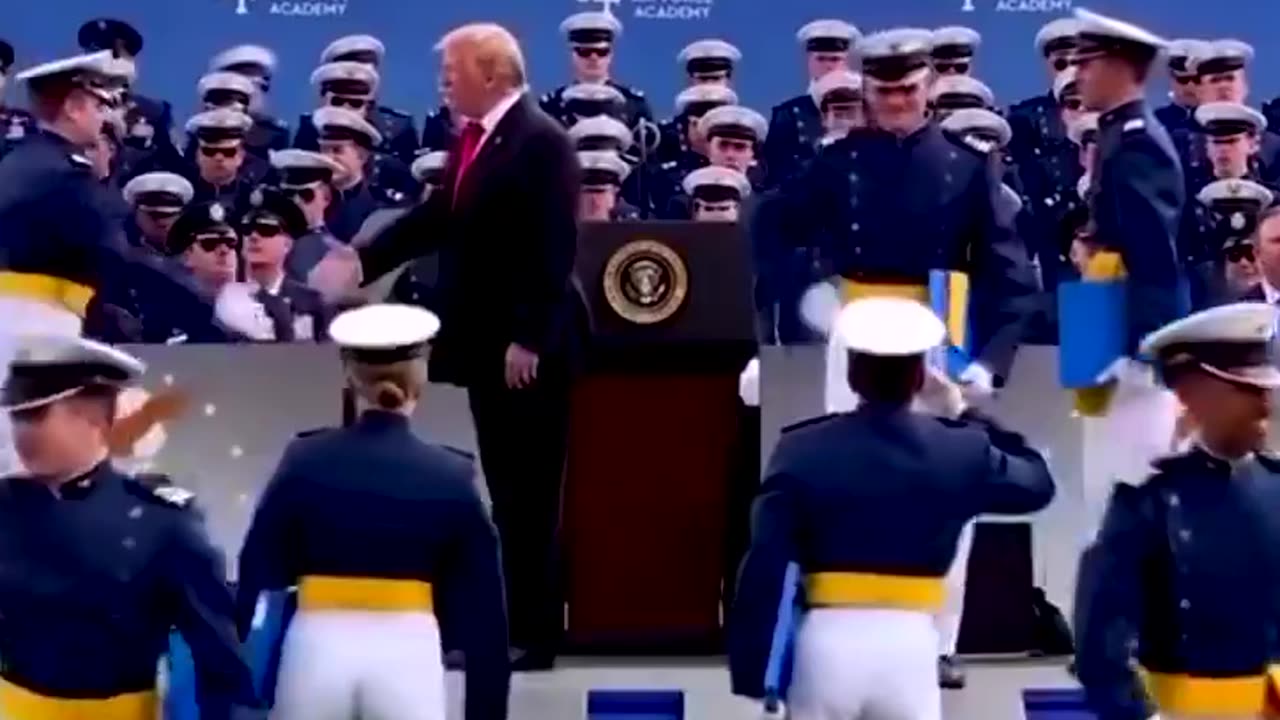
(635, 705)
(949, 298)
(266, 639)
(1093, 330)
(180, 701)
(777, 671)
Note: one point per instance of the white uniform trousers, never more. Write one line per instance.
(347, 665)
(1121, 445)
(865, 664)
(18, 316)
(948, 618)
(1209, 717)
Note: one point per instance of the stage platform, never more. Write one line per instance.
(994, 691)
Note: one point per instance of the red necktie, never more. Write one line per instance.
(468, 145)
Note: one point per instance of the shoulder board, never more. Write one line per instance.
(79, 161)
(809, 422)
(171, 495)
(1134, 125)
(469, 457)
(393, 112)
(311, 433)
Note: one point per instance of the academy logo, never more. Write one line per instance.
(658, 9)
(1019, 6)
(294, 8)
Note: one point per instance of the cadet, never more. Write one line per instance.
(1230, 141)
(101, 567)
(397, 127)
(389, 544)
(15, 123)
(62, 242)
(601, 133)
(709, 62)
(1226, 214)
(1176, 597)
(953, 49)
(716, 194)
(1222, 67)
(893, 203)
(1176, 116)
(870, 505)
(224, 170)
(691, 104)
(734, 135)
(156, 199)
(592, 37)
(1037, 119)
(1137, 203)
(796, 126)
(258, 64)
(838, 96)
(226, 90)
(350, 139)
(354, 86)
(585, 100)
(308, 178)
(958, 92)
(148, 122)
(603, 173)
(429, 170)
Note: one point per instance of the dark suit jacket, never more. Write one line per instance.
(507, 243)
(1253, 294)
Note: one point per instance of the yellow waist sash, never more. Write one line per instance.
(1178, 694)
(859, 290)
(953, 308)
(47, 289)
(873, 590)
(18, 703)
(331, 592)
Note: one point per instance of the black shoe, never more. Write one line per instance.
(455, 660)
(950, 673)
(531, 661)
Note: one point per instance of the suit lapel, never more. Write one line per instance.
(495, 146)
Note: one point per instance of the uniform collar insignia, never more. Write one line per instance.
(1134, 124)
(80, 160)
(173, 495)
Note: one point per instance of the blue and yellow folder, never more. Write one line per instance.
(949, 298)
(1093, 329)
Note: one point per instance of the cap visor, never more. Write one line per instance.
(1262, 376)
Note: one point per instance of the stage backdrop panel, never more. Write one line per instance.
(181, 36)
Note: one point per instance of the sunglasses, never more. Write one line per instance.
(946, 68)
(305, 194)
(1061, 63)
(1238, 253)
(263, 229)
(211, 243)
(588, 52)
(353, 103)
(161, 213)
(213, 152)
(1073, 104)
(1186, 79)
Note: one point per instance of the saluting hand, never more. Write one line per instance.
(521, 367)
(337, 275)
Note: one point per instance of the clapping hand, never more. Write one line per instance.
(337, 275)
(940, 396)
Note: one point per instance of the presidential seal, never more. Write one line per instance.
(645, 282)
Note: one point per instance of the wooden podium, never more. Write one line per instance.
(654, 431)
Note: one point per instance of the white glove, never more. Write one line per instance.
(778, 713)
(237, 309)
(977, 382)
(819, 307)
(939, 396)
(749, 384)
(1127, 371)
(337, 275)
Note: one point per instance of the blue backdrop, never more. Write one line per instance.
(181, 36)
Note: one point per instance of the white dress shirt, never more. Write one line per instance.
(1269, 293)
(496, 113)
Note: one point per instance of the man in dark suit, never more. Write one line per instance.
(504, 224)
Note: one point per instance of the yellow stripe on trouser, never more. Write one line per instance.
(47, 289)
(1104, 266)
(872, 590)
(18, 703)
(1191, 696)
(330, 592)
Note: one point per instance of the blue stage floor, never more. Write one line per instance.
(994, 691)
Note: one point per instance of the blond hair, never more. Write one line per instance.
(391, 386)
(492, 48)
